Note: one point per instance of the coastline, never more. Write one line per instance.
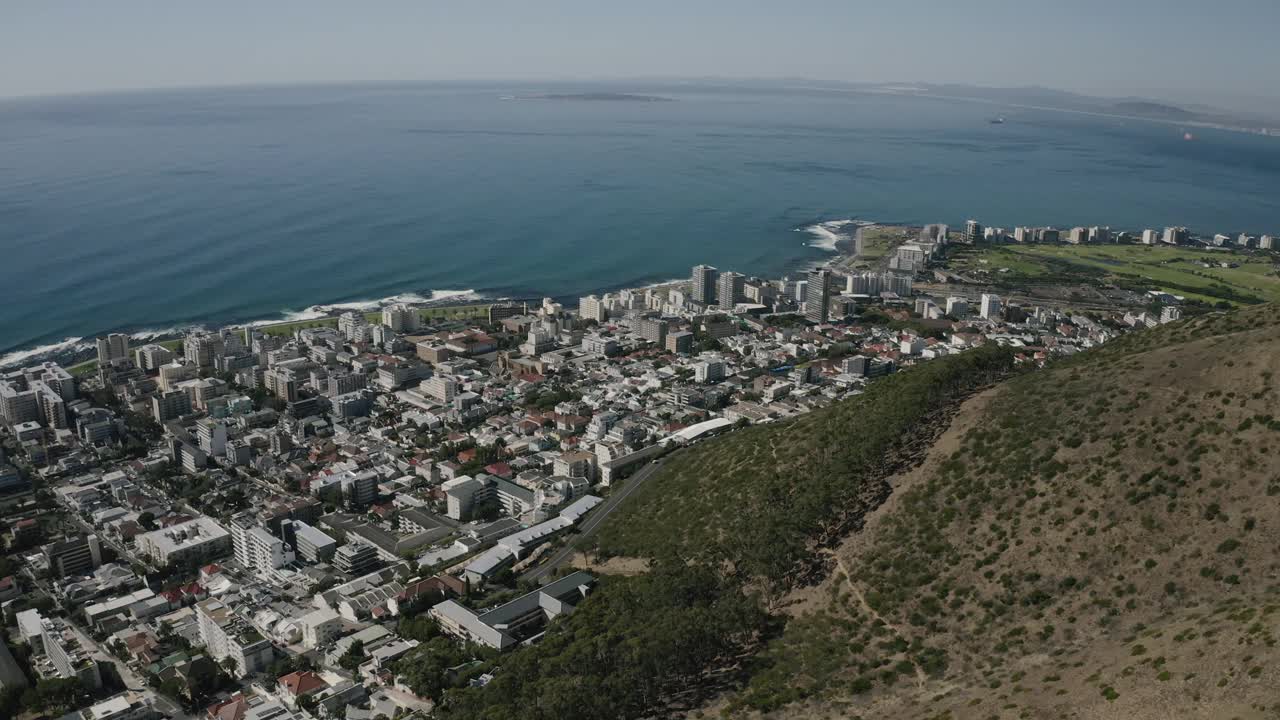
(828, 236)
(78, 351)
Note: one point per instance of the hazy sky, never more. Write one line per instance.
(1225, 47)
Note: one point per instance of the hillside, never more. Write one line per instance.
(1096, 540)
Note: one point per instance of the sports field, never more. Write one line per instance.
(1208, 275)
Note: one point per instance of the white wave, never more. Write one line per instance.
(153, 333)
(317, 312)
(20, 357)
(828, 234)
(665, 283)
(447, 295)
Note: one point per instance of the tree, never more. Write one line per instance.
(230, 665)
(147, 520)
(352, 658)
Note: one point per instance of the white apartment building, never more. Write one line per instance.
(226, 634)
(991, 307)
(194, 541)
(255, 548)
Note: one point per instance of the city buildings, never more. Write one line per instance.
(227, 635)
(506, 625)
(112, 347)
(818, 296)
(972, 231)
(680, 342)
(200, 349)
(1174, 236)
(356, 558)
(189, 543)
(75, 556)
(708, 371)
(400, 318)
(991, 307)
(592, 308)
(308, 543)
(255, 548)
(653, 330)
(703, 284)
(729, 290)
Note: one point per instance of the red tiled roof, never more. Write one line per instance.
(302, 682)
(500, 469)
(233, 708)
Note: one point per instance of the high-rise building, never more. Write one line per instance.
(353, 326)
(1023, 235)
(990, 307)
(400, 318)
(1175, 236)
(73, 557)
(972, 231)
(439, 388)
(680, 342)
(957, 307)
(255, 548)
(817, 296)
(309, 543)
(151, 357)
(213, 437)
(1266, 242)
(1099, 234)
(729, 289)
(227, 635)
(708, 371)
(1149, 237)
(704, 284)
(592, 307)
(200, 349)
(170, 405)
(1078, 236)
(112, 347)
(652, 329)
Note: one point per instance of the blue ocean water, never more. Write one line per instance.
(164, 208)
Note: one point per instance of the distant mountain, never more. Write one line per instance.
(599, 97)
(1143, 108)
(1048, 98)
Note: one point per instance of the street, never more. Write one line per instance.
(597, 516)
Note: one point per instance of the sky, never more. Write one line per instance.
(1223, 49)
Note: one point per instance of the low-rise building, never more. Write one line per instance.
(507, 625)
(192, 542)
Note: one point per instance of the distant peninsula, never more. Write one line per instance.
(598, 97)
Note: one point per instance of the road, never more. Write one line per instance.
(597, 516)
(132, 681)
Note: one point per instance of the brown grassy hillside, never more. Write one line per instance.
(1096, 540)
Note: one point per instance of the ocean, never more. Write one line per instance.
(144, 212)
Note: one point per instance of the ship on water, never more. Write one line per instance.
(997, 120)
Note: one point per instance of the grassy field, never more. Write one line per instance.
(878, 241)
(1176, 270)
